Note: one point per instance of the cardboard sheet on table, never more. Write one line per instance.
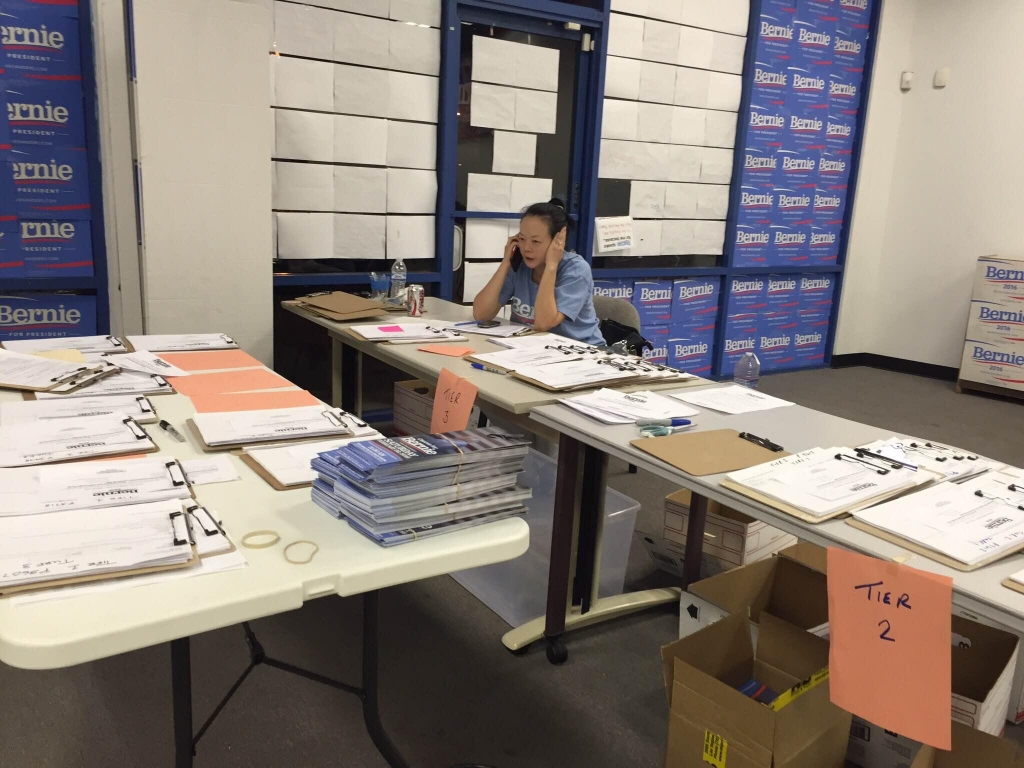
(707, 453)
(342, 306)
(253, 401)
(229, 381)
(882, 651)
(213, 360)
(268, 478)
(446, 349)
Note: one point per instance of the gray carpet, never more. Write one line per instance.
(450, 692)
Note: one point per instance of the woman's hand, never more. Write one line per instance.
(510, 246)
(556, 249)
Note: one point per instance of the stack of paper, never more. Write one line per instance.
(29, 372)
(237, 428)
(63, 547)
(80, 343)
(144, 362)
(499, 331)
(731, 399)
(509, 360)
(90, 484)
(402, 489)
(576, 374)
(612, 407)
(27, 411)
(946, 461)
(535, 341)
(180, 342)
(123, 383)
(822, 483)
(288, 466)
(404, 332)
(46, 442)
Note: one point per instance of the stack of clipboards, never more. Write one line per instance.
(30, 373)
(344, 307)
(236, 429)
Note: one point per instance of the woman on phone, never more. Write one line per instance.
(550, 289)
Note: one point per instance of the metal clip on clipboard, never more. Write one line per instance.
(762, 441)
(213, 528)
(187, 538)
(171, 465)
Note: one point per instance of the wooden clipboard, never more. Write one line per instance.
(1011, 584)
(85, 379)
(587, 385)
(707, 453)
(246, 443)
(270, 480)
(169, 391)
(931, 554)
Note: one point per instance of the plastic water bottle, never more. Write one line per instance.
(747, 370)
(399, 273)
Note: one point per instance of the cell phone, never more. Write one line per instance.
(488, 323)
(517, 258)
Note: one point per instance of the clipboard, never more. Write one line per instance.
(1011, 584)
(83, 377)
(268, 478)
(168, 390)
(610, 384)
(194, 429)
(707, 453)
(931, 554)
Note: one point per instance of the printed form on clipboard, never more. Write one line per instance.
(66, 439)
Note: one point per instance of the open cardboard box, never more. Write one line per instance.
(972, 749)
(791, 586)
(702, 672)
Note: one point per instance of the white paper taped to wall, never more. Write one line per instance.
(677, 237)
(646, 238)
(724, 91)
(302, 30)
(720, 129)
(656, 123)
(492, 106)
(303, 187)
(692, 87)
(613, 233)
(410, 237)
(412, 97)
(303, 135)
(411, 191)
(626, 36)
(661, 41)
(414, 49)
(716, 165)
(417, 11)
(657, 82)
(514, 153)
(359, 237)
(727, 53)
(681, 201)
(647, 199)
(305, 235)
(712, 201)
(360, 91)
(622, 78)
(536, 67)
(722, 15)
(361, 140)
(302, 84)
(620, 119)
(493, 61)
(412, 145)
(695, 47)
(476, 277)
(527, 191)
(361, 39)
(488, 192)
(685, 163)
(360, 190)
(365, 7)
(536, 111)
(486, 238)
(708, 237)
(633, 160)
(688, 125)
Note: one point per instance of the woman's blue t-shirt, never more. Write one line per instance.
(574, 297)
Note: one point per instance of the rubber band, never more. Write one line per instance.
(309, 559)
(247, 545)
(458, 467)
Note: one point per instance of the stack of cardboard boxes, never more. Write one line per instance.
(994, 348)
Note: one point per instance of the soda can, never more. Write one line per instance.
(414, 300)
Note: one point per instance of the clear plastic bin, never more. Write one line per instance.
(516, 590)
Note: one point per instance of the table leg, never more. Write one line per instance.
(595, 465)
(181, 692)
(371, 707)
(358, 411)
(337, 349)
(348, 375)
(567, 494)
(694, 539)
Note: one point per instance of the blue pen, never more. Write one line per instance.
(482, 367)
(673, 422)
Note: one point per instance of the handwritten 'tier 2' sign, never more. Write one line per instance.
(890, 658)
(453, 402)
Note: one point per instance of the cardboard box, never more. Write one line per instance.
(998, 321)
(972, 749)
(731, 539)
(993, 363)
(984, 660)
(695, 303)
(691, 351)
(619, 288)
(998, 279)
(56, 248)
(413, 406)
(702, 672)
(791, 586)
(653, 301)
(1015, 708)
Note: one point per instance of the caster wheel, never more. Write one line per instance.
(557, 652)
(519, 651)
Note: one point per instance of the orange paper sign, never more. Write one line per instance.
(253, 401)
(229, 381)
(446, 349)
(453, 401)
(211, 360)
(890, 660)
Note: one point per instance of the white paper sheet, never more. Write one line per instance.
(360, 190)
(695, 47)
(305, 235)
(527, 191)
(712, 201)
(632, 406)
(677, 237)
(63, 440)
(83, 344)
(620, 119)
(303, 187)
(727, 53)
(493, 61)
(414, 49)
(304, 135)
(360, 91)
(646, 238)
(721, 15)
(647, 199)
(213, 469)
(358, 237)
(255, 426)
(661, 41)
(709, 237)
(361, 39)
(488, 192)
(412, 145)
(571, 375)
(362, 140)
(685, 163)
(688, 125)
(411, 191)
(412, 97)
(666, 10)
(720, 129)
(681, 201)
(410, 237)
(418, 11)
(302, 84)
(476, 277)
(146, 362)
(724, 91)
(514, 153)
(536, 111)
(692, 87)
(138, 407)
(486, 238)
(657, 82)
(716, 165)
(634, 160)
(536, 67)
(656, 122)
(732, 399)
(289, 464)
(622, 78)
(304, 31)
(626, 36)
(492, 106)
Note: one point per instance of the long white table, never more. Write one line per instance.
(78, 629)
(795, 428)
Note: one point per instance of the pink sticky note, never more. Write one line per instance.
(390, 328)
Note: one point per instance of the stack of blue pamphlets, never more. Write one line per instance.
(394, 490)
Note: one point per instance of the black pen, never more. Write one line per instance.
(166, 427)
